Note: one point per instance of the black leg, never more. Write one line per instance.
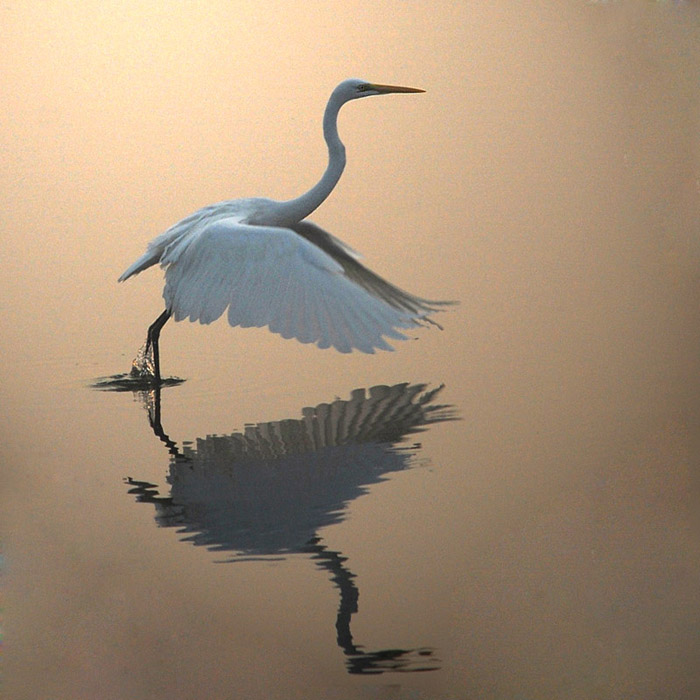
(152, 342)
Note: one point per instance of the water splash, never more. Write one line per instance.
(143, 367)
(140, 378)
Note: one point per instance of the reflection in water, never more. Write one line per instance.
(266, 491)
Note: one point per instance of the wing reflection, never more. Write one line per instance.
(266, 491)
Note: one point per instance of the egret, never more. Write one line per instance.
(269, 266)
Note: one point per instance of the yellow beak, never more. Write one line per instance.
(384, 89)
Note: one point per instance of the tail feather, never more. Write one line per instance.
(150, 257)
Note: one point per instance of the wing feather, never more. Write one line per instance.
(241, 296)
(303, 316)
(281, 278)
(358, 273)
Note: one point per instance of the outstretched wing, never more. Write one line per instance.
(364, 277)
(275, 277)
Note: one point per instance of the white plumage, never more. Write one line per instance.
(264, 264)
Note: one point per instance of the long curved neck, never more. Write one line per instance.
(294, 210)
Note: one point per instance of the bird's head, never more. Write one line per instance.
(354, 88)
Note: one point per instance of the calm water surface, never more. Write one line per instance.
(507, 508)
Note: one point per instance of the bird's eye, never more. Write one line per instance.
(364, 87)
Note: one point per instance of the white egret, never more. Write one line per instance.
(269, 266)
